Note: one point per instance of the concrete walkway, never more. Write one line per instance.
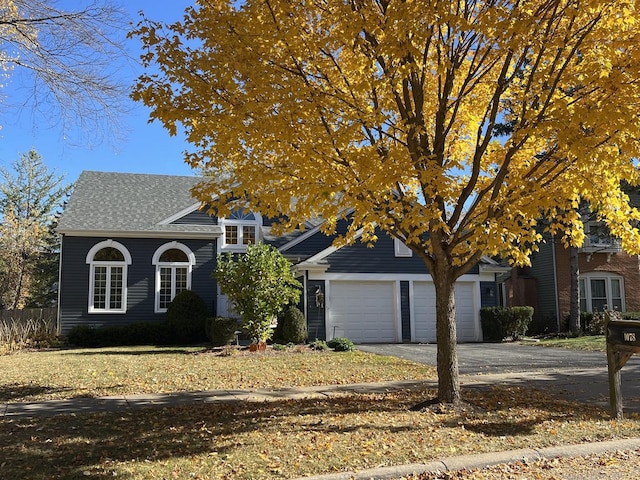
(128, 402)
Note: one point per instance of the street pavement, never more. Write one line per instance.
(570, 374)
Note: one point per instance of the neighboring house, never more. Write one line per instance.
(130, 242)
(607, 276)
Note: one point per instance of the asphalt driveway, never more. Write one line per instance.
(570, 374)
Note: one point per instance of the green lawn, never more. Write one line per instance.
(593, 343)
(96, 372)
(258, 440)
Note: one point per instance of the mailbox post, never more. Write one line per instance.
(623, 340)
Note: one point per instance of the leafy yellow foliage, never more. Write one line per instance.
(453, 125)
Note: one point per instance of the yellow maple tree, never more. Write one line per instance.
(452, 125)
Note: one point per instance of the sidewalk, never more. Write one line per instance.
(126, 402)
(584, 386)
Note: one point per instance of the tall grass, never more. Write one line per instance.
(27, 328)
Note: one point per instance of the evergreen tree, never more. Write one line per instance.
(30, 196)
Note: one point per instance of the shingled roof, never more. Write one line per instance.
(129, 204)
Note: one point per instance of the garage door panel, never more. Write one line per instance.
(363, 311)
(465, 313)
(424, 299)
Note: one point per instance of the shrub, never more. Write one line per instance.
(278, 347)
(259, 284)
(221, 330)
(341, 344)
(501, 322)
(521, 317)
(147, 333)
(319, 345)
(294, 326)
(140, 333)
(83, 336)
(187, 315)
(494, 321)
(596, 325)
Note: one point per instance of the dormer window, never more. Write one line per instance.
(240, 230)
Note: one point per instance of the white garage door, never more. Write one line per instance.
(424, 301)
(424, 304)
(364, 312)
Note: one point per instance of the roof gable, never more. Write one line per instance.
(108, 203)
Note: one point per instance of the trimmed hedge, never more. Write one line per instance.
(141, 333)
(294, 326)
(499, 323)
(221, 330)
(187, 314)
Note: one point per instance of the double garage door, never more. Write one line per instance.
(369, 312)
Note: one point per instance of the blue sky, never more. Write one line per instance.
(146, 148)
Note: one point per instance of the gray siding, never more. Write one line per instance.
(199, 217)
(140, 281)
(358, 258)
(315, 243)
(310, 246)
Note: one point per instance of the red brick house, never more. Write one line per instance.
(608, 277)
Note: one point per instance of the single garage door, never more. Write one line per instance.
(424, 301)
(364, 312)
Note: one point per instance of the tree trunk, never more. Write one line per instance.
(574, 305)
(16, 304)
(447, 353)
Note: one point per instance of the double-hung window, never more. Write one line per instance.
(600, 290)
(174, 264)
(240, 230)
(108, 262)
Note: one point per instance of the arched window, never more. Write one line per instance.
(108, 263)
(240, 230)
(174, 264)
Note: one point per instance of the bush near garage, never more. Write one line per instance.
(499, 323)
(341, 344)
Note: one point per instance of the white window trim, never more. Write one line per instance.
(173, 265)
(607, 277)
(92, 266)
(400, 249)
(240, 246)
